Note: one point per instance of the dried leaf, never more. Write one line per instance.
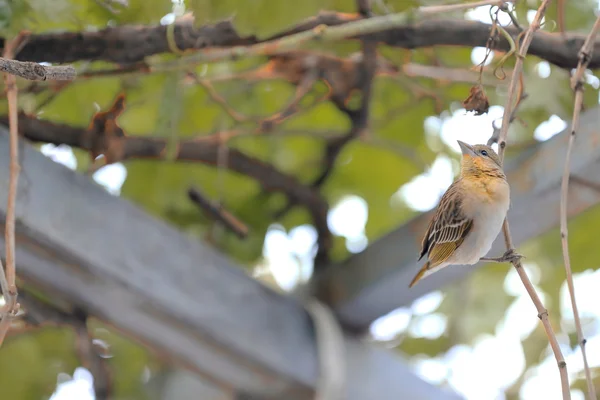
(105, 134)
(477, 101)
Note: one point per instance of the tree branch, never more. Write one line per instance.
(90, 359)
(204, 150)
(39, 314)
(131, 44)
(36, 72)
(218, 212)
(577, 82)
(8, 276)
(363, 80)
(506, 119)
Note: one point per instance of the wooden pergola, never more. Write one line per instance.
(181, 298)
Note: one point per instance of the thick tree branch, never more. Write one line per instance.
(196, 150)
(131, 44)
(127, 44)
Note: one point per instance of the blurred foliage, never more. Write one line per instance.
(162, 105)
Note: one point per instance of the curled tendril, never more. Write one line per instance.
(552, 22)
(513, 49)
(171, 40)
(510, 10)
(494, 14)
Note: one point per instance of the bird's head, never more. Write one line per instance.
(479, 159)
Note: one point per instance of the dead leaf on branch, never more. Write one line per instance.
(104, 133)
(477, 101)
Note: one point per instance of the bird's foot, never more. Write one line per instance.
(509, 256)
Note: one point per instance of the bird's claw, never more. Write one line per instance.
(510, 256)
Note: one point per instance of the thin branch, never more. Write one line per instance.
(359, 119)
(219, 213)
(586, 183)
(217, 98)
(364, 8)
(36, 72)
(39, 314)
(9, 288)
(450, 74)
(447, 8)
(577, 86)
(323, 33)
(512, 88)
(560, 17)
(91, 359)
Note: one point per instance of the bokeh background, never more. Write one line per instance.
(480, 336)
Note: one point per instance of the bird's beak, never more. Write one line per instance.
(466, 149)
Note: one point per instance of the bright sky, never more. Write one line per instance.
(479, 372)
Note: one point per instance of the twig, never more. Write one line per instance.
(9, 288)
(217, 98)
(364, 8)
(91, 359)
(585, 183)
(560, 11)
(219, 213)
(335, 145)
(450, 74)
(447, 8)
(542, 312)
(577, 86)
(293, 106)
(39, 314)
(36, 72)
(510, 11)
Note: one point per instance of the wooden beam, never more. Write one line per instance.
(372, 283)
(183, 384)
(103, 254)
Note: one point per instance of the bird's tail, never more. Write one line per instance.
(420, 274)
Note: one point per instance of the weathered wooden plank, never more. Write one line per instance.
(180, 297)
(372, 283)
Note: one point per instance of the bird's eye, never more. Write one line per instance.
(484, 153)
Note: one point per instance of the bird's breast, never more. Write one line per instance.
(488, 209)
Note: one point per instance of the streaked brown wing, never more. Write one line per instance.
(447, 230)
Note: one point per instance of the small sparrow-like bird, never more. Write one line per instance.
(470, 214)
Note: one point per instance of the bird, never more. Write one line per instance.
(469, 215)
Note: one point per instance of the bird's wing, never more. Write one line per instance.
(447, 230)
